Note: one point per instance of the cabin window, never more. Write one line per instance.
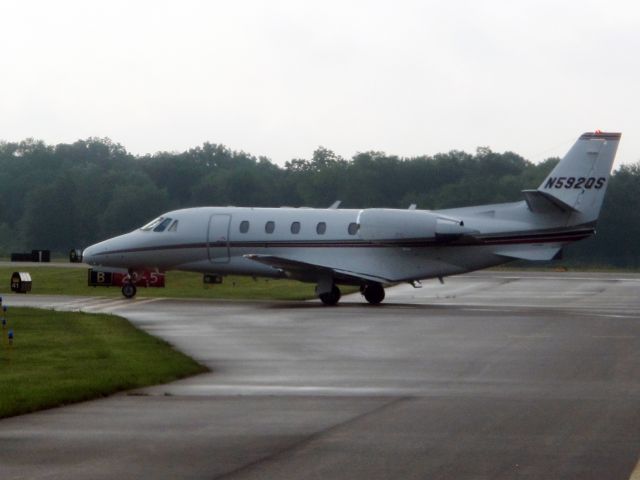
(321, 228)
(244, 226)
(270, 226)
(353, 228)
(173, 227)
(295, 227)
(162, 226)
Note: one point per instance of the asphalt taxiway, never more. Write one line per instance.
(492, 375)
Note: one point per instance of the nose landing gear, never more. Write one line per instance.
(129, 290)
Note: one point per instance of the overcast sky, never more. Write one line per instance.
(281, 77)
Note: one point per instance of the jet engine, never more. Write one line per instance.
(380, 225)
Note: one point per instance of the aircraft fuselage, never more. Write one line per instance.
(374, 247)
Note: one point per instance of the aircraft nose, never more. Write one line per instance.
(107, 253)
(89, 255)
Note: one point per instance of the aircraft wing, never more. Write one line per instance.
(532, 252)
(298, 269)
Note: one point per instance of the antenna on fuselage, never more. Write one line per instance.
(335, 205)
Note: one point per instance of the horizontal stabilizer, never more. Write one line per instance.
(531, 252)
(541, 202)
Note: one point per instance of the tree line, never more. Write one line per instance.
(67, 196)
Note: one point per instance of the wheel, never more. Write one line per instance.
(332, 297)
(129, 290)
(374, 293)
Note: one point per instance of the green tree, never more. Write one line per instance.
(71, 195)
(131, 207)
(49, 220)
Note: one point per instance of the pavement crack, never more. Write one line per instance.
(310, 439)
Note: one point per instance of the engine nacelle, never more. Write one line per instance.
(379, 225)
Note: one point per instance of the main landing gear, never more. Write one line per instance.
(331, 298)
(373, 293)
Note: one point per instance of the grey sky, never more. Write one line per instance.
(280, 78)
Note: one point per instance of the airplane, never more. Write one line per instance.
(373, 247)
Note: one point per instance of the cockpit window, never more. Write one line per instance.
(160, 224)
(161, 227)
(152, 224)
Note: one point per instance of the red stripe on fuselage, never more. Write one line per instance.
(566, 236)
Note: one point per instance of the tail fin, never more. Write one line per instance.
(579, 181)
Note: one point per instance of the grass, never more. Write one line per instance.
(49, 280)
(62, 357)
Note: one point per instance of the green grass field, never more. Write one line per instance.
(60, 357)
(49, 280)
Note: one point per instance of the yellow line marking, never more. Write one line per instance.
(635, 475)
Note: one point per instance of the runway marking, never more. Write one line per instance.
(616, 337)
(145, 301)
(119, 303)
(104, 304)
(79, 304)
(529, 336)
(611, 315)
(512, 307)
(285, 390)
(635, 475)
(565, 277)
(490, 309)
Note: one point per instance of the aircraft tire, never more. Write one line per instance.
(331, 298)
(129, 290)
(374, 293)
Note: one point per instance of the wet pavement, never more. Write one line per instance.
(492, 375)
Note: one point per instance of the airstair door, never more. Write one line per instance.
(218, 238)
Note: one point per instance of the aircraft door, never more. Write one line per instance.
(218, 238)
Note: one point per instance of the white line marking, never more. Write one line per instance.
(288, 390)
(529, 336)
(559, 277)
(615, 337)
(114, 304)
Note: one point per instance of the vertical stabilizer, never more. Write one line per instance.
(579, 181)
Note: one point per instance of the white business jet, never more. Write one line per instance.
(373, 247)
